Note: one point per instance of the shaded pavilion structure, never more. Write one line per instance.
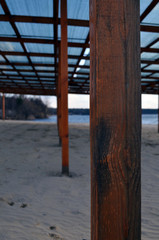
(53, 48)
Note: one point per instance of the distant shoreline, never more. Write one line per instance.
(86, 111)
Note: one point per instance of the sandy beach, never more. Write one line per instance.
(37, 203)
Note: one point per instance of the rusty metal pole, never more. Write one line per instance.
(3, 106)
(115, 120)
(64, 89)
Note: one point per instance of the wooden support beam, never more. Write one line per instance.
(3, 109)
(31, 91)
(149, 28)
(46, 20)
(59, 98)
(150, 50)
(41, 40)
(64, 89)
(115, 120)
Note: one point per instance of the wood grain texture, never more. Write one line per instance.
(115, 120)
(64, 89)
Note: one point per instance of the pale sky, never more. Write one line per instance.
(82, 101)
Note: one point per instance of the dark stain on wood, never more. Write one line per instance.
(103, 174)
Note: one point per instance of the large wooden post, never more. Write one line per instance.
(115, 120)
(64, 89)
(3, 108)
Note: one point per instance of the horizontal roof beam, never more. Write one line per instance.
(149, 62)
(38, 54)
(70, 22)
(149, 28)
(28, 91)
(41, 40)
(45, 20)
(149, 70)
(49, 41)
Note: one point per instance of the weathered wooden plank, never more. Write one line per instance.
(64, 89)
(115, 120)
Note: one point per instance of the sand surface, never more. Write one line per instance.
(37, 203)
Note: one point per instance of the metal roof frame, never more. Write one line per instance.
(22, 81)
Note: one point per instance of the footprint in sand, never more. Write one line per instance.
(54, 236)
(52, 228)
(24, 205)
(11, 203)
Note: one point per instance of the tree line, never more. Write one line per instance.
(23, 108)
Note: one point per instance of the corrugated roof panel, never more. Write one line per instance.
(1, 10)
(5, 80)
(28, 73)
(17, 77)
(5, 67)
(149, 56)
(87, 52)
(155, 75)
(82, 76)
(24, 67)
(12, 58)
(11, 46)
(144, 4)
(78, 9)
(46, 74)
(2, 59)
(72, 61)
(45, 78)
(75, 33)
(144, 74)
(35, 30)
(87, 62)
(143, 65)
(10, 72)
(41, 48)
(153, 16)
(45, 68)
(48, 82)
(2, 76)
(42, 60)
(35, 78)
(41, 8)
(146, 38)
(85, 70)
(33, 82)
(145, 80)
(70, 69)
(79, 80)
(156, 45)
(6, 29)
(153, 67)
(74, 51)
